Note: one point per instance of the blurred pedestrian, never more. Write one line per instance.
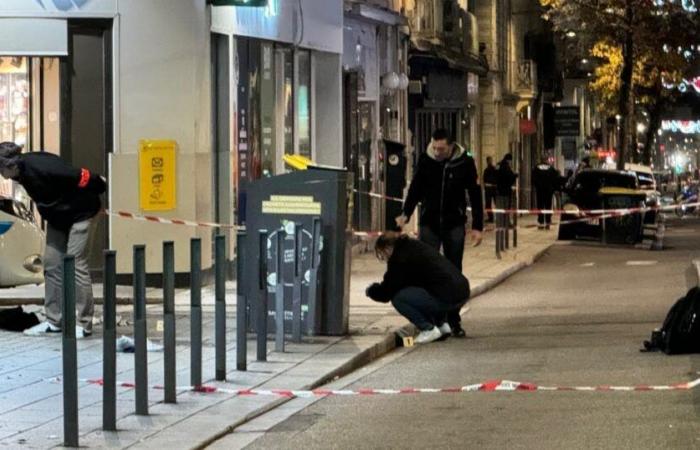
(67, 199)
(421, 284)
(446, 174)
(545, 180)
(490, 187)
(505, 180)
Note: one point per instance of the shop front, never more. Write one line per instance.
(276, 92)
(91, 80)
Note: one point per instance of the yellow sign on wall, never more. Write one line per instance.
(157, 175)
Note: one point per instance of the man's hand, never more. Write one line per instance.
(401, 221)
(475, 237)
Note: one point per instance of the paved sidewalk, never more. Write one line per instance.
(31, 403)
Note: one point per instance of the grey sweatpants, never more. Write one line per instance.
(59, 244)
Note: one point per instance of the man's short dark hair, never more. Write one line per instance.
(9, 150)
(442, 134)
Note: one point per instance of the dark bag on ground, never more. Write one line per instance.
(680, 332)
(15, 319)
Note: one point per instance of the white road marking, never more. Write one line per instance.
(590, 264)
(640, 263)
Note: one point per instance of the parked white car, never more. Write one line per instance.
(21, 245)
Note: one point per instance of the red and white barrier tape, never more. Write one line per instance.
(168, 221)
(486, 386)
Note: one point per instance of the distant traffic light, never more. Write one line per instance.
(238, 2)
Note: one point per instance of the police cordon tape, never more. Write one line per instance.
(486, 386)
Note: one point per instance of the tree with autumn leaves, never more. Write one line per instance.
(626, 38)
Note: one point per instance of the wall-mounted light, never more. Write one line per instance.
(390, 81)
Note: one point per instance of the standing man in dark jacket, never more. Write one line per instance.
(443, 179)
(422, 285)
(505, 180)
(545, 180)
(67, 198)
(490, 186)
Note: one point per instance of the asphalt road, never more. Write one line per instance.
(577, 317)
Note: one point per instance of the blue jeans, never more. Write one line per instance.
(422, 309)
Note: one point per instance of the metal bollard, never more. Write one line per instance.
(497, 216)
(109, 343)
(169, 358)
(261, 310)
(140, 331)
(70, 356)
(220, 308)
(313, 312)
(515, 230)
(241, 305)
(196, 312)
(298, 276)
(279, 293)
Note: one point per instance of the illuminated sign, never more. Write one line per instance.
(681, 126)
(157, 175)
(257, 3)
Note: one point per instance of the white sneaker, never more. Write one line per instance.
(445, 329)
(42, 329)
(81, 333)
(427, 336)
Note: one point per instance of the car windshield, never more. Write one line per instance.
(646, 180)
(594, 181)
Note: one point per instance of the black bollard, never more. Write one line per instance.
(70, 356)
(313, 312)
(298, 277)
(279, 293)
(220, 305)
(109, 343)
(140, 331)
(261, 315)
(196, 312)
(241, 305)
(169, 330)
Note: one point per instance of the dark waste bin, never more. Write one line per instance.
(275, 204)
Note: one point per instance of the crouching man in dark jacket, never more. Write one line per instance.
(67, 198)
(424, 286)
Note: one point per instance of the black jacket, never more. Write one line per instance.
(491, 176)
(416, 264)
(505, 179)
(63, 194)
(441, 187)
(545, 179)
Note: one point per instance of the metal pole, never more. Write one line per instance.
(279, 293)
(313, 313)
(196, 312)
(220, 308)
(109, 343)
(140, 331)
(70, 356)
(296, 292)
(241, 305)
(169, 369)
(261, 325)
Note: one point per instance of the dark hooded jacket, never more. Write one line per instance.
(63, 194)
(416, 264)
(441, 187)
(545, 179)
(505, 179)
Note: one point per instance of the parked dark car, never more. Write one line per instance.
(597, 189)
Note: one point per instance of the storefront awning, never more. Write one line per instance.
(33, 37)
(379, 15)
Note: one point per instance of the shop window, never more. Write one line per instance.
(304, 103)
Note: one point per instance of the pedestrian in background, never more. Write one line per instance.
(505, 180)
(67, 199)
(444, 177)
(421, 284)
(490, 187)
(545, 180)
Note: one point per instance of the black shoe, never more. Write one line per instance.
(458, 332)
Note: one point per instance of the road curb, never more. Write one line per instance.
(370, 354)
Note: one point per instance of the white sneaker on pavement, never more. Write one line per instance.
(427, 336)
(81, 333)
(445, 329)
(42, 329)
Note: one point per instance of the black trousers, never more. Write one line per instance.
(451, 240)
(422, 309)
(490, 193)
(544, 201)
